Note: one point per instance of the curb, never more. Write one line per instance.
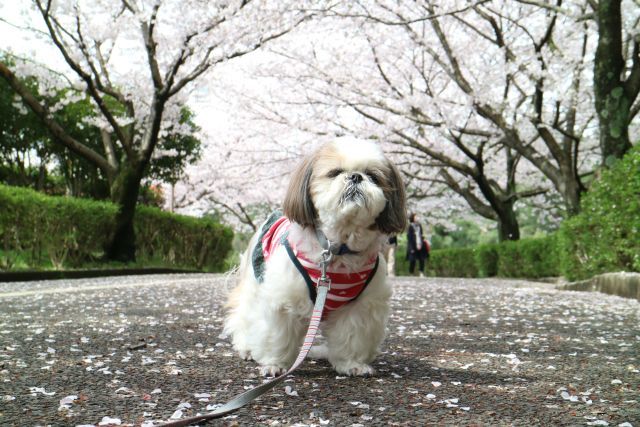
(29, 276)
(623, 284)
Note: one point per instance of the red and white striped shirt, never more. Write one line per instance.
(345, 285)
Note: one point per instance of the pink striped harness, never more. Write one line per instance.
(346, 285)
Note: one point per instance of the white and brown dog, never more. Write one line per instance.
(348, 192)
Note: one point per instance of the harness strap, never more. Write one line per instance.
(257, 256)
(294, 259)
(242, 399)
(305, 275)
(334, 248)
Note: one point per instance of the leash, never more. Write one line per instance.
(324, 285)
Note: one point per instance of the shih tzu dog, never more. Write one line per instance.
(350, 194)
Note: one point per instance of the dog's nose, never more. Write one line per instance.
(355, 178)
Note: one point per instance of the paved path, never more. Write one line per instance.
(134, 350)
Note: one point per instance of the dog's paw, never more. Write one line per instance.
(271, 370)
(354, 369)
(245, 354)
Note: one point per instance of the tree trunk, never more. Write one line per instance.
(173, 197)
(42, 177)
(124, 192)
(571, 190)
(508, 227)
(613, 103)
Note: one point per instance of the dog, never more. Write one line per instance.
(347, 193)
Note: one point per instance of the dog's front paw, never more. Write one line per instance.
(271, 370)
(354, 369)
(245, 354)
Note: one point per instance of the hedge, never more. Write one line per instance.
(72, 232)
(442, 262)
(453, 262)
(525, 258)
(532, 258)
(182, 240)
(605, 236)
(486, 259)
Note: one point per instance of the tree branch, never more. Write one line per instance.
(150, 46)
(412, 142)
(204, 65)
(527, 193)
(403, 22)
(91, 86)
(474, 202)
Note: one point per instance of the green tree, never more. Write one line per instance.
(85, 179)
(605, 237)
(22, 137)
(29, 154)
(176, 151)
(81, 177)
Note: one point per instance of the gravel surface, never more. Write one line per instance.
(138, 350)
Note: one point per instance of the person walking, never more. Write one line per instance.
(417, 246)
(390, 255)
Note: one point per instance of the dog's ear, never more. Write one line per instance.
(393, 218)
(298, 206)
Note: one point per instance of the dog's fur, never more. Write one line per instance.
(267, 320)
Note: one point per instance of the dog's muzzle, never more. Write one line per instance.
(353, 193)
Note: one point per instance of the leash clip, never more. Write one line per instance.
(324, 280)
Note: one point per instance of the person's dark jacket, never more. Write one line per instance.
(412, 247)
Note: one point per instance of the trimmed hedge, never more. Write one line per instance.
(182, 240)
(452, 263)
(64, 230)
(605, 236)
(525, 258)
(532, 258)
(442, 262)
(486, 259)
(72, 232)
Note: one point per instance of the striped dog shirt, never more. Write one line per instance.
(346, 285)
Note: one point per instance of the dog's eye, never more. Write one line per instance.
(334, 172)
(373, 177)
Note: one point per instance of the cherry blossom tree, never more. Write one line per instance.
(485, 98)
(616, 82)
(245, 168)
(511, 73)
(137, 60)
(490, 100)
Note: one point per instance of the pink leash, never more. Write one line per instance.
(324, 285)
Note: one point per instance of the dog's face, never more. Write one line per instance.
(347, 182)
